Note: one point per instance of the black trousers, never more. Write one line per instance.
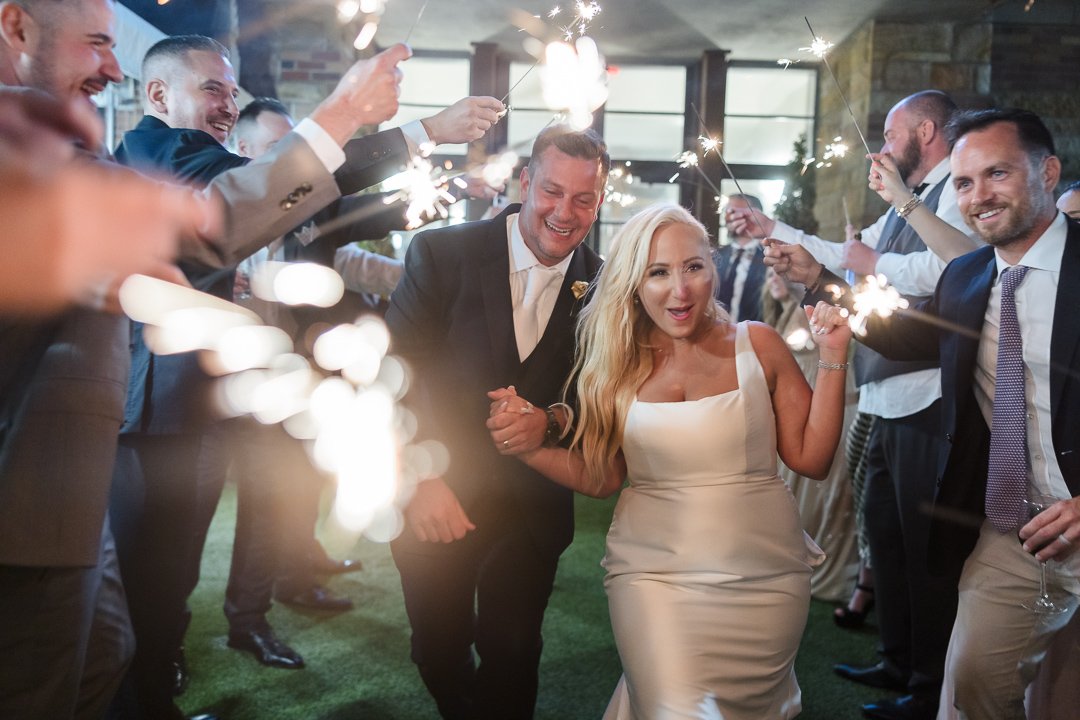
(487, 591)
(915, 608)
(152, 510)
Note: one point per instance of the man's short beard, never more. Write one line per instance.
(909, 158)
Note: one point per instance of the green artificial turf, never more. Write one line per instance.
(358, 664)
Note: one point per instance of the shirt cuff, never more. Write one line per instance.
(889, 265)
(330, 155)
(784, 232)
(415, 136)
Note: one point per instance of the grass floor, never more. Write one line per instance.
(358, 662)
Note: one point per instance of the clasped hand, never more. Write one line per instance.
(516, 425)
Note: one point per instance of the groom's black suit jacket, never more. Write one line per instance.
(952, 335)
(451, 318)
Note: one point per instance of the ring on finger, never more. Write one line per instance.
(1064, 540)
(506, 443)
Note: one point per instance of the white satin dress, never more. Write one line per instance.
(708, 567)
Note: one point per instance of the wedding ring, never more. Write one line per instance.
(1064, 539)
(506, 443)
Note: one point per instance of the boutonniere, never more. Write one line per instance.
(579, 288)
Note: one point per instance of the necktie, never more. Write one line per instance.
(530, 322)
(727, 283)
(1006, 483)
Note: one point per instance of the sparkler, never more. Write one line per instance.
(617, 189)
(710, 143)
(875, 297)
(574, 80)
(423, 189)
(819, 48)
(416, 22)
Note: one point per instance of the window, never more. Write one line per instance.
(767, 109)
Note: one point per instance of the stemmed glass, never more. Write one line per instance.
(1044, 605)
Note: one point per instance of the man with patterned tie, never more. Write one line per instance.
(914, 608)
(1005, 328)
(481, 306)
(739, 265)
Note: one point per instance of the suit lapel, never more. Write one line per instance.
(494, 270)
(1065, 336)
(970, 314)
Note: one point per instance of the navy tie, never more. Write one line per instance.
(1006, 483)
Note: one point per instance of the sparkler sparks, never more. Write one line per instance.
(786, 62)
(875, 297)
(574, 80)
(617, 190)
(820, 48)
(423, 189)
(584, 13)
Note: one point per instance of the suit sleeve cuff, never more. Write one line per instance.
(330, 155)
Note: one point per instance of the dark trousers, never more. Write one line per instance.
(65, 638)
(152, 511)
(488, 591)
(915, 609)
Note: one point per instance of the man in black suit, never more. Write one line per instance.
(190, 92)
(1003, 324)
(739, 265)
(481, 306)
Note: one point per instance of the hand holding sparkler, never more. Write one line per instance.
(792, 262)
(366, 95)
(859, 258)
(885, 180)
(831, 330)
(748, 221)
(464, 121)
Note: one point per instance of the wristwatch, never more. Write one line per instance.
(554, 430)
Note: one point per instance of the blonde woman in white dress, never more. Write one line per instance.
(708, 568)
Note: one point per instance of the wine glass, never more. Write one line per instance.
(1044, 605)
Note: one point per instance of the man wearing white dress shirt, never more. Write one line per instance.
(915, 607)
(485, 306)
(1005, 328)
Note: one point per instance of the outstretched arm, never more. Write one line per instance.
(808, 423)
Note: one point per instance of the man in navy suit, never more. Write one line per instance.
(1003, 321)
(739, 266)
(481, 306)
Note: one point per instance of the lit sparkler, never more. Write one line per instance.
(574, 80)
(786, 62)
(423, 189)
(617, 190)
(874, 297)
(820, 48)
(709, 143)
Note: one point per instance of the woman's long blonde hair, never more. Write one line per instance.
(613, 357)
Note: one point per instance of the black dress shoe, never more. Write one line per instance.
(908, 707)
(317, 597)
(329, 566)
(266, 648)
(878, 676)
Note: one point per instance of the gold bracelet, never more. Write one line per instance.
(832, 366)
(907, 207)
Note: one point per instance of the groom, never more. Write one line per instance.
(487, 305)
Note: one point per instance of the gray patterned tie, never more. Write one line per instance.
(1006, 483)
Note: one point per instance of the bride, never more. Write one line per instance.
(708, 569)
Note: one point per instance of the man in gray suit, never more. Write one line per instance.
(66, 636)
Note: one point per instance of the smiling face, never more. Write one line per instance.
(1001, 195)
(65, 49)
(199, 93)
(677, 290)
(561, 195)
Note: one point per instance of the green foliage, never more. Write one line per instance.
(796, 206)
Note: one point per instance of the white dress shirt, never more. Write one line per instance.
(1036, 298)
(912, 274)
(330, 153)
(522, 260)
